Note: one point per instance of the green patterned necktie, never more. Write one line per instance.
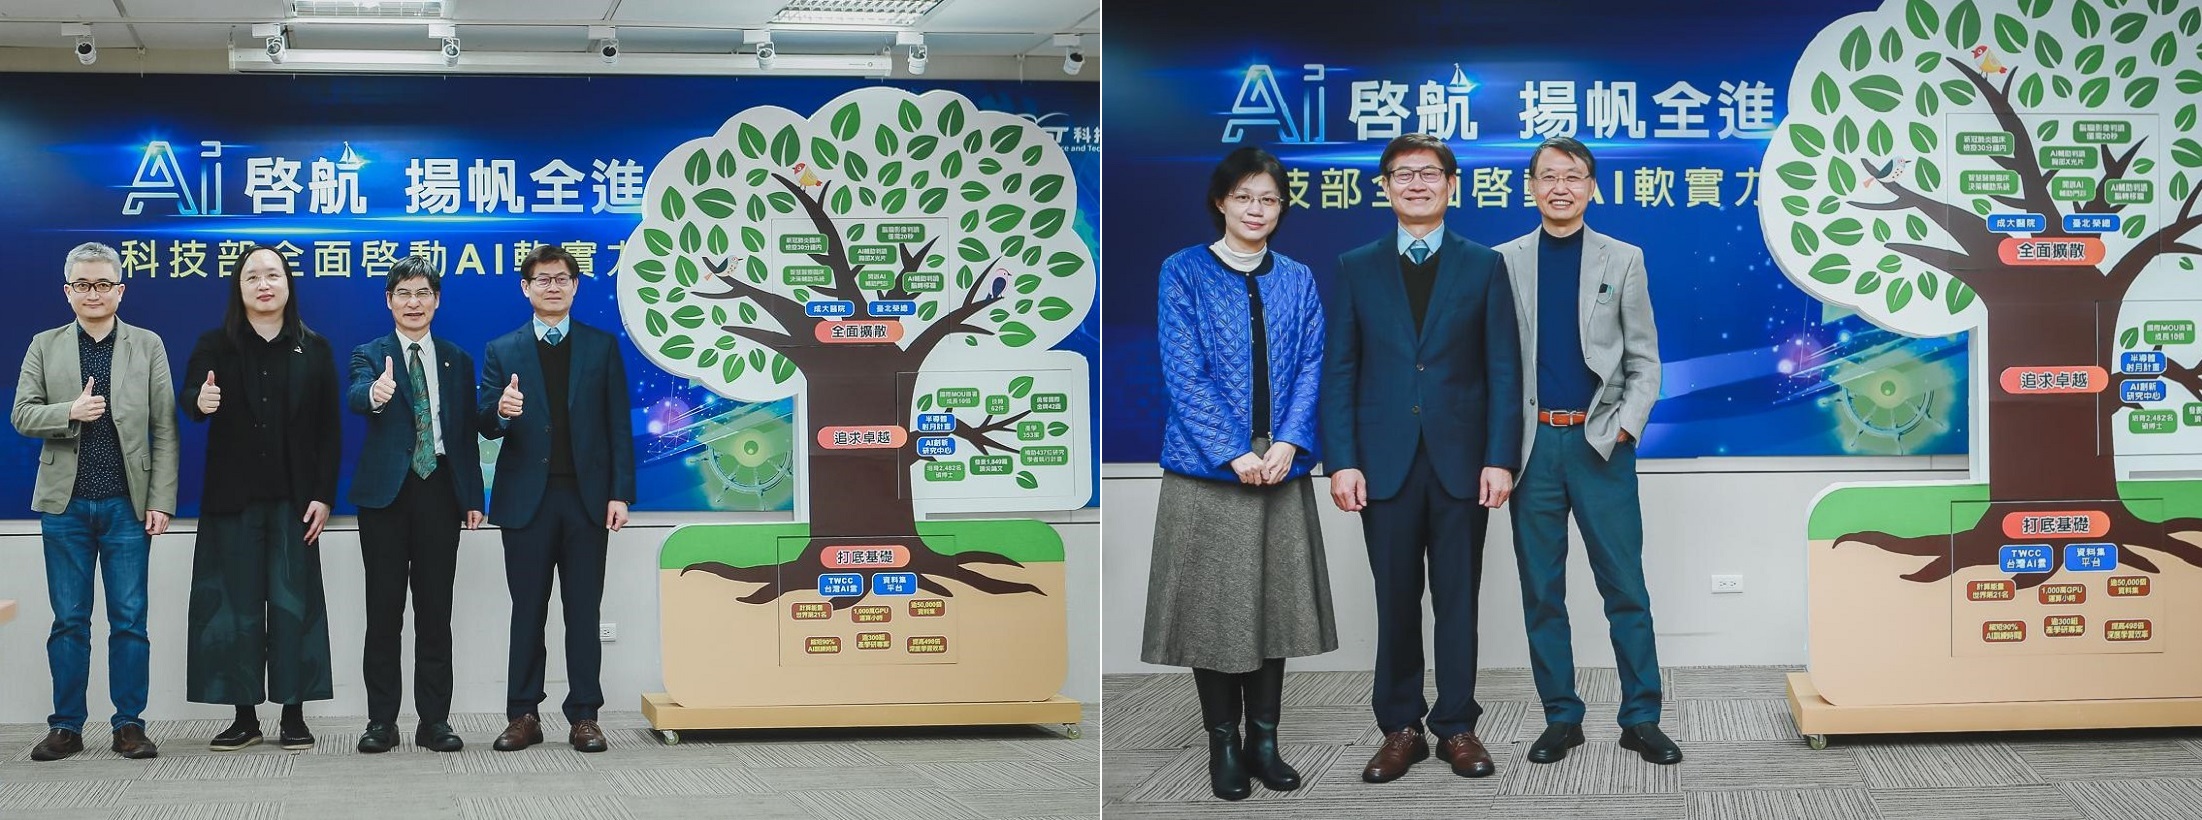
(424, 428)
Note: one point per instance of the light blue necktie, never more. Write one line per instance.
(552, 336)
(1418, 251)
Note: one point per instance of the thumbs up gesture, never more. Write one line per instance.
(384, 387)
(509, 405)
(210, 397)
(88, 406)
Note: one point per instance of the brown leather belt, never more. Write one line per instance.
(1563, 418)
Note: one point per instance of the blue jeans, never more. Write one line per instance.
(106, 530)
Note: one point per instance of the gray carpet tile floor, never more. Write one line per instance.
(994, 773)
(1743, 761)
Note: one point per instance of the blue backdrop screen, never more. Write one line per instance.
(348, 174)
(1675, 99)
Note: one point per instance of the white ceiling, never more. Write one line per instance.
(957, 28)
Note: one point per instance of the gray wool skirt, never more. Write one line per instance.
(1238, 576)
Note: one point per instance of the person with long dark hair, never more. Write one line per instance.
(267, 387)
(1238, 581)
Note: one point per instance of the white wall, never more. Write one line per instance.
(480, 620)
(1730, 516)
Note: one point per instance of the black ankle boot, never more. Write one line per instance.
(1219, 712)
(1264, 690)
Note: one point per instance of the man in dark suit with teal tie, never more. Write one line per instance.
(1421, 435)
(419, 479)
(556, 392)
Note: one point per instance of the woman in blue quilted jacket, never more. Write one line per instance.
(1238, 581)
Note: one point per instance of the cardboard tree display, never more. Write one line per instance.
(901, 264)
(2026, 171)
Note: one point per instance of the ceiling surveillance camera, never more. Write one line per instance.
(1074, 62)
(765, 55)
(87, 52)
(609, 50)
(451, 51)
(277, 44)
(918, 54)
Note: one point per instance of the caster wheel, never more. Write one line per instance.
(672, 738)
(1817, 742)
(1073, 731)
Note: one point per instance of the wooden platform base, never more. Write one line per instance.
(1817, 718)
(670, 718)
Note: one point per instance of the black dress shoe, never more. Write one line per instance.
(58, 745)
(296, 737)
(1554, 743)
(239, 735)
(438, 737)
(379, 738)
(1647, 741)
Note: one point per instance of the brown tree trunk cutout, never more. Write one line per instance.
(858, 494)
(2054, 447)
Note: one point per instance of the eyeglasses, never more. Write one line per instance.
(1243, 199)
(423, 294)
(1555, 180)
(560, 281)
(83, 286)
(1429, 174)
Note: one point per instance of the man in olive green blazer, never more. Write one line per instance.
(97, 392)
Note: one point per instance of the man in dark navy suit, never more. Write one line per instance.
(419, 479)
(1421, 432)
(556, 392)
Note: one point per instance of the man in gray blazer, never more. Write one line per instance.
(1590, 373)
(97, 392)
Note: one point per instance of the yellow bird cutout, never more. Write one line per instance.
(804, 177)
(1988, 62)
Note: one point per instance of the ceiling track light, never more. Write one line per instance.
(449, 34)
(915, 59)
(766, 53)
(278, 39)
(605, 39)
(1074, 60)
(87, 49)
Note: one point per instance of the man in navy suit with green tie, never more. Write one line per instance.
(556, 392)
(419, 479)
(1421, 434)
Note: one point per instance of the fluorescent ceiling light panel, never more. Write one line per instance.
(875, 13)
(377, 9)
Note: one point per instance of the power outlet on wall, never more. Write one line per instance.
(607, 633)
(1722, 585)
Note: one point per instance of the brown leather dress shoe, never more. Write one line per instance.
(1467, 755)
(523, 732)
(131, 743)
(1402, 749)
(586, 737)
(59, 744)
